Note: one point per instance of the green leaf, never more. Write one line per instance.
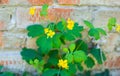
(81, 45)
(28, 54)
(35, 30)
(64, 73)
(89, 62)
(45, 44)
(69, 57)
(1, 67)
(56, 40)
(79, 56)
(53, 61)
(60, 26)
(7, 74)
(53, 57)
(72, 47)
(44, 10)
(50, 72)
(89, 24)
(72, 69)
(69, 36)
(63, 21)
(51, 26)
(43, 13)
(94, 33)
(97, 54)
(80, 67)
(103, 32)
(65, 50)
(45, 7)
(76, 32)
(111, 23)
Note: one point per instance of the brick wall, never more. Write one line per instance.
(14, 18)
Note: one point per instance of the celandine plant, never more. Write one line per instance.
(62, 51)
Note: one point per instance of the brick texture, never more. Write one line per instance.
(4, 1)
(24, 19)
(14, 18)
(72, 2)
(1, 34)
(40, 2)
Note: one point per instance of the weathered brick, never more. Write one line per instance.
(5, 18)
(112, 2)
(91, 2)
(31, 43)
(71, 2)
(1, 34)
(113, 61)
(112, 41)
(40, 2)
(54, 14)
(10, 41)
(103, 14)
(4, 1)
(100, 2)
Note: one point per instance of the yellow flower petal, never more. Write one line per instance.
(70, 23)
(63, 64)
(46, 30)
(50, 34)
(32, 10)
(118, 28)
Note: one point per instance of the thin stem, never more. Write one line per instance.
(81, 43)
(58, 72)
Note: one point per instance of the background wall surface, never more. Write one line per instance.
(14, 18)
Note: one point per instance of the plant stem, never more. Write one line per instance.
(58, 72)
(81, 43)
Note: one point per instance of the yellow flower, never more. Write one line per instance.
(118, 28)
(46, 30)
(63, 63)
(32, 10)
(70, 24)
(50, 33)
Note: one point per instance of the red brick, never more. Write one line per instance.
(113, 61)
(1, 39)
(54, 14)
(71, 2)
(40, 2)
(4, 1)
(2, 25)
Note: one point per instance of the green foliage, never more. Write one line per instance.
(39, 65)
(80, 67)
(81, 45)
(28, 54)
(64, 73)
(50, 72)
(94, 33)
(1, 67)
(89, 62)
(72, 47)
(99, 55)
(89, 24)
(69, 57)
(79, 56)
(101, 31)
(42, 42)
(111, 23)
(60, 44)
(35, 30)
(44, 10)
(7, 74)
